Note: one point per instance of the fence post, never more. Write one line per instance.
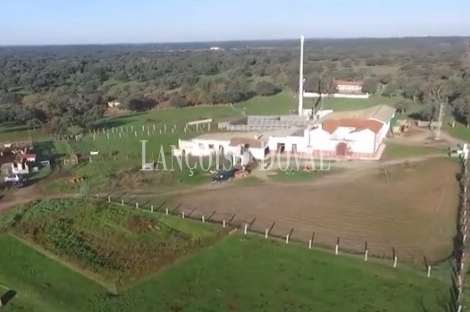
(337, 247)
(202, 218)
(429, 271)
(310, 244)
(266, 233)
(182, 214)
(223, 223)
(287, 239)
(151, 208)
(395, 262)
(122, 202)
(136, 205)
(246, 229)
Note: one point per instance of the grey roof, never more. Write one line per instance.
(381, 113)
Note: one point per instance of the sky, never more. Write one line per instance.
(41, 22)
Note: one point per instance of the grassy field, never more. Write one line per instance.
(119, 244)
(281, 103)
(227, 277)
(460, 132)
(396, 151)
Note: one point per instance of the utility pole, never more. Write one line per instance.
(301, 78)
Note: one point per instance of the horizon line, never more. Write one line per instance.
(226, 41)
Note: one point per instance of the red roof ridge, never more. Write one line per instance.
(330, 125)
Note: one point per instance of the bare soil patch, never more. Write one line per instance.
(411, 207)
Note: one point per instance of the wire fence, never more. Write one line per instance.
(460, 255)
(270, 229)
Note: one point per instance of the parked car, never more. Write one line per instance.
(14, 178)
(222, 176)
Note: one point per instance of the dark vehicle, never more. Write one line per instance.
(222, 176)
(16, 181)
(19, 184)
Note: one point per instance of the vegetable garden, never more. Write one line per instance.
(120, 244)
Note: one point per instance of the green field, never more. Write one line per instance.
(396, 151)
(459, 132)
(237, 274)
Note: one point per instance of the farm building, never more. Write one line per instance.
(349, 87)
(234, 143)
(356, 135)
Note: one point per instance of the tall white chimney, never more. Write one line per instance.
(301, 77)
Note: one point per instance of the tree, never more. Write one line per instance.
(386, 79)
(402, 106)
(265, 88)
(390, 90)
(413, 91)
(369, 86)
(179, 102)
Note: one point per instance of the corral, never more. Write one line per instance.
(411, 209)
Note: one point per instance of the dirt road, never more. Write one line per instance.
(355, 170)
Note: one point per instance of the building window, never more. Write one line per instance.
(211, 146)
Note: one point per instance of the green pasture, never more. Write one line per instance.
(397, 151)
(459, 132)
(237, 274)
(281, 103)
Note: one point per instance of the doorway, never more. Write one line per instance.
(281, 147)
(341, 149)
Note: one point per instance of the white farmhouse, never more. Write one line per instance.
(234, 143)
(354, 135)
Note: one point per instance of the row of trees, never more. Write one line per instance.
(59, 86)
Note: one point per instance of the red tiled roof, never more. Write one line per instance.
(26, 156)
(331, 125)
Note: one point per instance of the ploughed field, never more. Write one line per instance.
(408, 208)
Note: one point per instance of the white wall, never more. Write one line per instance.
(200, 147)
(301, 142)
(348, 88)
(319, 139)
(337, 95)
(258, 153)
(362, 141)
